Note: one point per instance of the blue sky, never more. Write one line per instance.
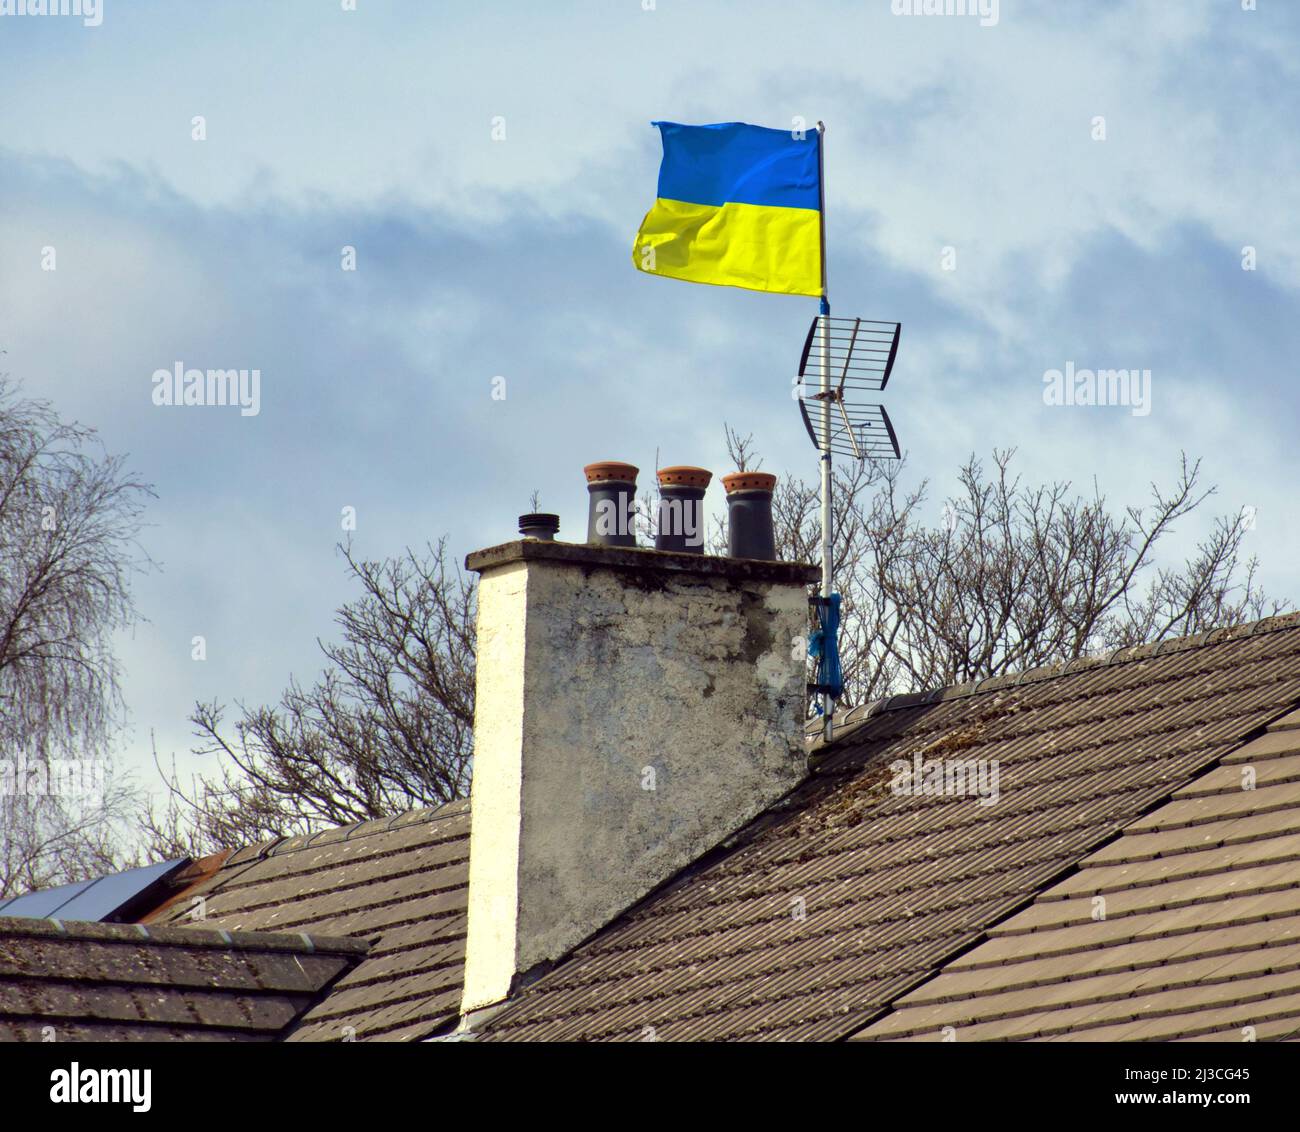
(477, 258)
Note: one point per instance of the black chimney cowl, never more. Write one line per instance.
(539, 524)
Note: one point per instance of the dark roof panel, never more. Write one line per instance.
(109, 898)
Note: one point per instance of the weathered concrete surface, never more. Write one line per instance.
(629, 717)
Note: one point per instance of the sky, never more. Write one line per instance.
(1028, 187)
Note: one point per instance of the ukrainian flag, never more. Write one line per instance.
(739, 206)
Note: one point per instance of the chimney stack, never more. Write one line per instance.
(634, 708)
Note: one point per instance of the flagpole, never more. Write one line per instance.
(828, 518)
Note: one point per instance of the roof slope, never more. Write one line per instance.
(398, 883)
(846, 896)
(66, 981)
(1200, 936)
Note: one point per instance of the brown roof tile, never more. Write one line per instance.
(122, 982)
(396, 882)
(1198, 942)
(845, 910)
(839, 901)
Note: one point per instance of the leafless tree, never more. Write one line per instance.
(741, 450)
(47, 840)
(1013, 576)
(70, 515)
(387, 728)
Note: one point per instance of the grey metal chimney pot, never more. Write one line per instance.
(681, 509)
(749, 515)
(611, 506)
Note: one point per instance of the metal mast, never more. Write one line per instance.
(828, 515)
(850, 357)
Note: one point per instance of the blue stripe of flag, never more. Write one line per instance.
(732, 161)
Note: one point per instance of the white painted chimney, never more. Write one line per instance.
(634, 707)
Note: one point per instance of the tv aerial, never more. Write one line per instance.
(845, 360)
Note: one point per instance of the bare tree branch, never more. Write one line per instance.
(1013, 577)
(70, 515)
(388, 727)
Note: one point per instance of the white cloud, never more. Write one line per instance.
(479, 258)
